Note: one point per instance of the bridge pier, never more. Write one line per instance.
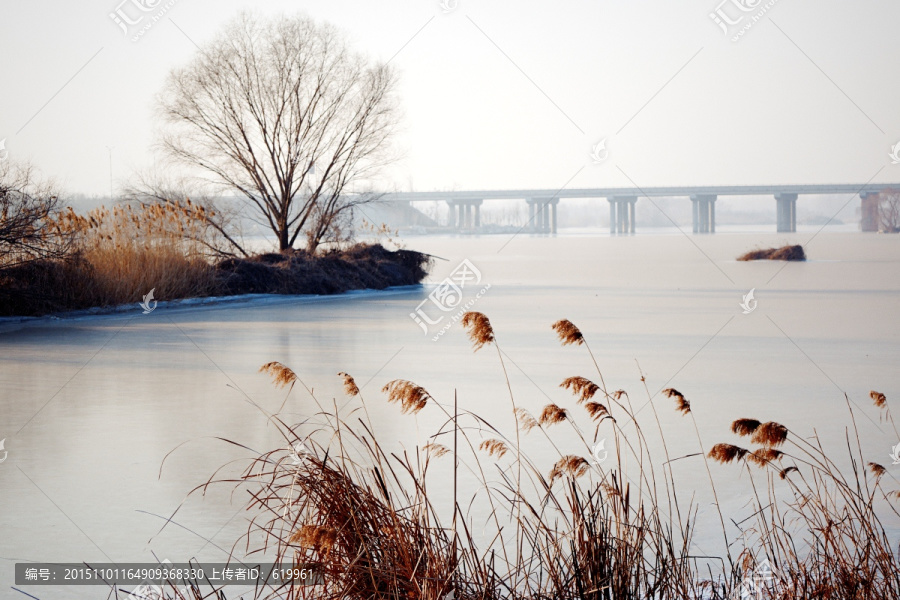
(464, 214)
(786, 212)
(542, 214)
(704, 213)
(621, 214)
(869, 211)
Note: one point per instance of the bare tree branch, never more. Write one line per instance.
(283, 112)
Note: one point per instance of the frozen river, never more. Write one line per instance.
(90, 406)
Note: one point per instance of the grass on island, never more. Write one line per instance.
(116, 256)
(361, 511)
(784, 253)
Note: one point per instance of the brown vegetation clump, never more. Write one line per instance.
(791, 253)
(115, 256)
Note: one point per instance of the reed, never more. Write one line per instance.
(361, 511)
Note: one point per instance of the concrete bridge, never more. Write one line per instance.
(465, 206)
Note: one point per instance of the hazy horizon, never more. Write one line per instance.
(506, 95)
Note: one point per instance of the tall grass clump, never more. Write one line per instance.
(576, 525)
(124, 252)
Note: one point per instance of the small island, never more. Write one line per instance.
(792, 253)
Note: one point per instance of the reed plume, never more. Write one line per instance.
(281, 375)
(435, 450)
(682, 404)
(526, 421)
(745, 426)
(770, 434)
(411, 397)
(320, 539)
(568, 333)
(726, 453)
(582, 387)
(494, 448)
(553, 414)
(479, 328)
(877, 470)
(878, 398)
(350, 387)
(597, 411)
(764, 456)
(574, 466)
(785, 472)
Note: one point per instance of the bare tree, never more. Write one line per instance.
(282, 111)
(889, 211)
(28, 207)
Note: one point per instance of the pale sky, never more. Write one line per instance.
(503, 94)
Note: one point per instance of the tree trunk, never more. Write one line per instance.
(283, 243)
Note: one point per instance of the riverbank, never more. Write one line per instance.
(48, 287)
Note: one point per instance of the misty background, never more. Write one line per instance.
(505, 95)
